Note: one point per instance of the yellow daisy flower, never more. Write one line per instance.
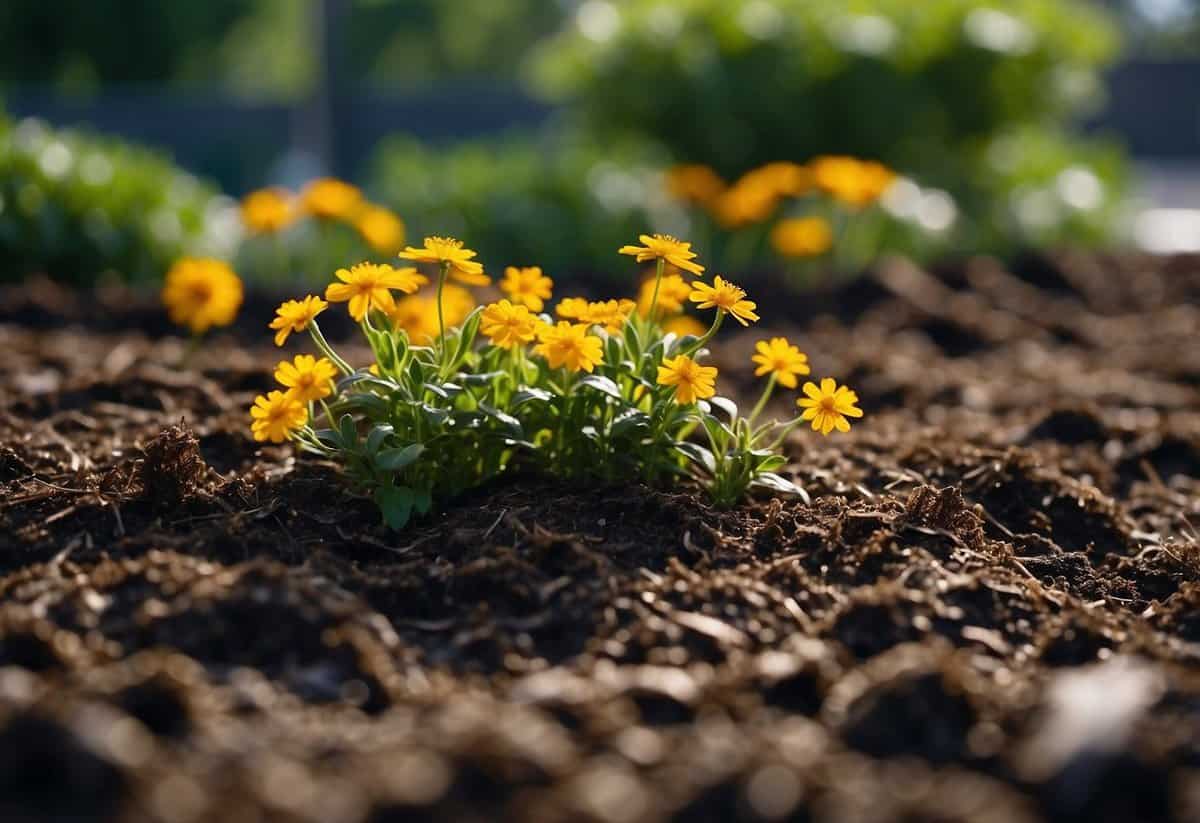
(694, 183)
(802, 237)
(381, 229)
(331, 199)
(726, 297)
(664, 247)
(684, 325)
(201, 293)
(295, 315)
(306, 377)
(527, 285)
(611, 314)
(275, 416)
(508, 325)
(673, 292)
(446, 251)
(569, 344)
(366, 286)
(853, 182)
(828, 406)
(780, 358)
(416, 314)
(692, 381)
(572, 308)
(267, 211)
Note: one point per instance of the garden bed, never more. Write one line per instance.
(988, 610)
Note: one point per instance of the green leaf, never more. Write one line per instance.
(527, 394)
(396, 505)
(434, 415)
(772, 481)
(348, 431)
(329, 436)
(393, 460)
(466, 337)
(601, 384)
(512, 424)
(699, 455)
(629, 421)
(422, 501)
(771, 462)
(377, 436)
(726, 405)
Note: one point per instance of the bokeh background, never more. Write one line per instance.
(541, 130)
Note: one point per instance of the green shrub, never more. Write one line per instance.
(928, 88)
(78, 207)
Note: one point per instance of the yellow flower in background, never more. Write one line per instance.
(380, 228)
(306, 377)
(275, 416)
(780, 358)
(694, 183)
(726, 297)
(572, 308)
(828, 406)
(664, 247)
(784, 178)
(457, 303)
(295, 315)
(673, 293)
(802, 236)
(267, 211)
(852, 182)
(366, 286)
(508, 325)
(331, 199)
(569, 344)
(416, 314)
(692, 381)
(446, 251)
(201, 293)
(527, 285)
(611, 314)
(684, 325)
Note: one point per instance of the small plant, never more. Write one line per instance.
(603, 390)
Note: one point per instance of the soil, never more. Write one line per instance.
(988, 609)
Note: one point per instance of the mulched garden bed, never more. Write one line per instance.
(989, 610)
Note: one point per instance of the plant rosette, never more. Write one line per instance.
(600, 390)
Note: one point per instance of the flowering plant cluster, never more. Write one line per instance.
(327, 220)
(825, 206)
(607, 390)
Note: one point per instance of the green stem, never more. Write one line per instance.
(315, 332)
(762, 401)
(445, 270)
(658, 276)
(701, 341)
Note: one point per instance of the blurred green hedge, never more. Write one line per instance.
(79, 207)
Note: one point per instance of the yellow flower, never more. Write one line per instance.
(780, 358)
(507, 325)
(828, 406)
(611, 314)
(726, 297)
(306, 377)
(572, 308)
(527, 286)
(331, 199)
(201, 293)
(802, 236)
(684, 325)
(366, 286)
(267, 211)
(784, 178)
(673, 291)
(692, 381)
(664, 247)
(417, 315)
(276, 416)
(295, 315)
(853, 182)
(569, 344)
(382, 230)
(449, 252)
(694, 183)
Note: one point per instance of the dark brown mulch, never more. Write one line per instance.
(989, 611)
